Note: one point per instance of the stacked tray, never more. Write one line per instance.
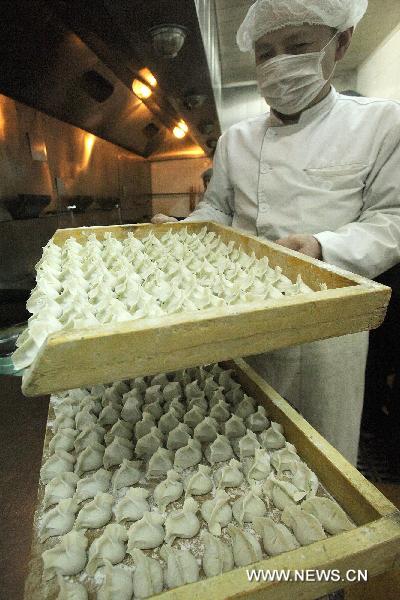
(325, 302)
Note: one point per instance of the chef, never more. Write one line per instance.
(318, 173)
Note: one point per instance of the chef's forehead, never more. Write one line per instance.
(294, 33)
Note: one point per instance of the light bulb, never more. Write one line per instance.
(148, 76)
(141, 90)
(183, 126)
(178, 132)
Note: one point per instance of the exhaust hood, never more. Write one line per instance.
(77, 60)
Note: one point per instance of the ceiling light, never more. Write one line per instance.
(141, 90)
(168, 39)
(148, 76)
(178, 132)
(182, 124)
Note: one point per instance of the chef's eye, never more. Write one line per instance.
(299, 48)
(264, 56)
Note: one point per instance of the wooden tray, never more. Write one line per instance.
(98, 355)
(374, 545)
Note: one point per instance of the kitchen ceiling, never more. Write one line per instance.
(238, 67)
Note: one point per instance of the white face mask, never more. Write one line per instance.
(290, 82)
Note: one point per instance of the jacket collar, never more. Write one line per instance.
(307, 115)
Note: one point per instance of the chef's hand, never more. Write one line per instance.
(158, 219)
(306, 244)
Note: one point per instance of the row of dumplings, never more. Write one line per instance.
(269, 468)
(107, 281)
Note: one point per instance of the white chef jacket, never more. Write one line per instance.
(334, 174)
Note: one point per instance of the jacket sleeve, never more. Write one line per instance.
(217, 204)
(371, 245)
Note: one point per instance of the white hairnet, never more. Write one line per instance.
(265, 16)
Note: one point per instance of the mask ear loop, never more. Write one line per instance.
(323, 54)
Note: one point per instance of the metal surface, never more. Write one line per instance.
(76, 61)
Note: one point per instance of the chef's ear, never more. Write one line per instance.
(344, 43)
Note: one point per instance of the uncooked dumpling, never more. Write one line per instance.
(247, 445)
(90, 458)
(217, 396)
(119, 429)
(128, 474)
(220, 411)
(182, 523)
(148, 575)
(235, 394)
(245, 407)
(153, 394)
(133, 505)
(210, 386)
(194, 416)
(115, 453)
(96, 513)
(188, 456)
(192, 390)
(305, 480)
(68, 557)
(206, 430)
(332, 517)
(160, 463)
(148, 444)
(60, 462)
(285, 459)
(61, 487)
(246, 508)
(258, 421)
(63, 422)
(118, 583)
(63, 440)
(217, 556)
(199, 401)
(219, 451)
(92, 485)
(109, 546)
(306, 528)
(217, 512)
(282, 493)
(179, 408)
(182, 567)
(199, 483)
(168, 491)
(109, 415)
(84, 418)
(225, 380)
(246, 548)
(161, 379)
(172, 390)
(139, 384)
(178, 437)
(261, 467)
(59, 520)
(234, 427)
(168, 421)
(70, 590)
(273, 438)
(145, 425)
(147, 533)
(276, 537)
(94, 433)
(131, 411)
(230, 475)
(154, 408)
